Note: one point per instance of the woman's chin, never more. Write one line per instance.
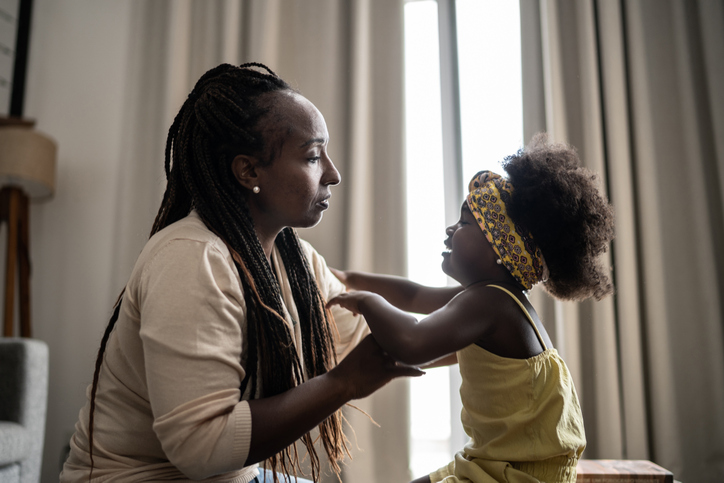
(309, 221)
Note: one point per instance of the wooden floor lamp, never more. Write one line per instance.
(27, 170)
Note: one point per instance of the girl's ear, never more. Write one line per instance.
(244, 169)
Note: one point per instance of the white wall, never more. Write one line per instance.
(77, 66)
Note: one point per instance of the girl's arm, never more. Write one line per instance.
(461, 322)
(400, 292)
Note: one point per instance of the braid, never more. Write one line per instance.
(96, 374)
(221, 118)
(317, 340)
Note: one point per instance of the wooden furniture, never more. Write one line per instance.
(14, 212)
(27, 170)
(622, 471)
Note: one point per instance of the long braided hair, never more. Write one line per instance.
(222, 117)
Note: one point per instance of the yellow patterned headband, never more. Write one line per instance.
(489, 192)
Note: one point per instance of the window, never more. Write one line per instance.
(463, 114)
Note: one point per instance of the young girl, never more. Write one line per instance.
(546, 223)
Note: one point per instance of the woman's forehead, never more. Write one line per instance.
(303, 119)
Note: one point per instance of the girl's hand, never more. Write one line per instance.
(341, 275)
(349, 300)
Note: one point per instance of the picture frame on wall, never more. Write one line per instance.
(14, 35)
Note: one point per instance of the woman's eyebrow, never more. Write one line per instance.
(313, 141)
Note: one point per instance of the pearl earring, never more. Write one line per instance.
(499, 261)
(256, 189)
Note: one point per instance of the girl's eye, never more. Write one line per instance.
(313, 159)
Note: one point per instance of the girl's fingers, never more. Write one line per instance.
(334, 301)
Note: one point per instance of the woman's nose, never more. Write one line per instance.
(450, 230)
(331, 175)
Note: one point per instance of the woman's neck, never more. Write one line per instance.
(266, 239)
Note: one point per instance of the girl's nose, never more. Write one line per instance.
(450, 230)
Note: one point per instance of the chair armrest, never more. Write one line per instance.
(15, 442)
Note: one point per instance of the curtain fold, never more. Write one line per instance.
(635, 86)
(344, 56)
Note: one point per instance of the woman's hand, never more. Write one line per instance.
(367, 368)
(287, 416)
(350, 300)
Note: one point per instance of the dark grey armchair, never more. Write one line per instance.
(23, 407)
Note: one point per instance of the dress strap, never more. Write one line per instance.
(527, 314)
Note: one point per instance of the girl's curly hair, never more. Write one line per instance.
(571, 221)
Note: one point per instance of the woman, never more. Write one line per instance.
(220, 353)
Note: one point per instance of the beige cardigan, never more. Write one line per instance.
(168, 404)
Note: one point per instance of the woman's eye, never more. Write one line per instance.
(313, 159)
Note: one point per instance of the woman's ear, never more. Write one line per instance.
(244, 169)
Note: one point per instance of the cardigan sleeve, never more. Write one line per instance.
(192, 309)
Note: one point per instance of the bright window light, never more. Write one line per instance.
(430, 410)
(425, 205)
(491, 93)
(491, 117)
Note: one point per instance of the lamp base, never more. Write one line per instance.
(14, 212)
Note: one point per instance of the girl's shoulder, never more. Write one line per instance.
(513, 327)
(480, 305)
(489, 306)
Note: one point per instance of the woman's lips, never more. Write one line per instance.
(324, 203)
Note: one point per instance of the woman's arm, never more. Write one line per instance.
(284, 418)
(400, 292)
(191, 340)
(458, 324)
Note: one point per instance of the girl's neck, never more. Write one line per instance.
(508, 283)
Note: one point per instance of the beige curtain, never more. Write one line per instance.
(636, 86)
(346, 57)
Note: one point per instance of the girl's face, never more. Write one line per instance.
(469, 258)
(294, 188)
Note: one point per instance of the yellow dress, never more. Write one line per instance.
(522, 416)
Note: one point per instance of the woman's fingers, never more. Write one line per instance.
(367, 368)
(408, 371)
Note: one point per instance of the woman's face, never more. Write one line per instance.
(469, 258)
(294, 189)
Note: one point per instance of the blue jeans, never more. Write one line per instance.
(266, 476)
